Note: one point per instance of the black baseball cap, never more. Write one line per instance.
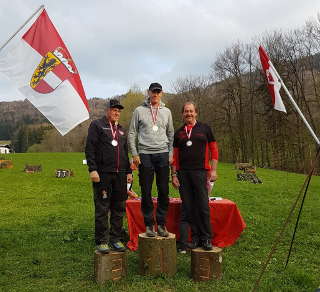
(155, 86)
(114, 103)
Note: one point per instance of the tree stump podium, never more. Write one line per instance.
(158, 255)
(206, 265)
(110, 266)
(6, 163)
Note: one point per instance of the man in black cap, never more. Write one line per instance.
(150, 140)
(107, 158)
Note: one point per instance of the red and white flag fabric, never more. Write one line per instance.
(274, 84)
(40, 65)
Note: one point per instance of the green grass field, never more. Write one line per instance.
(46, 232)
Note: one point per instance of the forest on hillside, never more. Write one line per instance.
(233, 99)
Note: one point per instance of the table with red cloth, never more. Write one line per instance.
(226, 221)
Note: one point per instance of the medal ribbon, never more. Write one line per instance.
(186, 130)
(114, 132)
(154, 115)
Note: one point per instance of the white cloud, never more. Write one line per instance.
(116, 44)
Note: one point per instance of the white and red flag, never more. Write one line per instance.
(274, 85)
(40, 65)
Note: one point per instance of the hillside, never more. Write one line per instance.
(25, 126)
(28, 130)
(16, 113)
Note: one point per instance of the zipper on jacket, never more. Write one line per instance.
(117, 154)
(118, 150)
(118, 161)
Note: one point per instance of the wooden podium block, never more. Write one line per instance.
(32, 168)
(6, 164)
(110, 266)
(158, 255)
(206, 265)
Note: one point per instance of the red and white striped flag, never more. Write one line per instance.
(274, 84)
(43, 70)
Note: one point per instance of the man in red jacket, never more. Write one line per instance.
(195, 162)
(109, 169)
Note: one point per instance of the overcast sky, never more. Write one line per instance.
(118, 44)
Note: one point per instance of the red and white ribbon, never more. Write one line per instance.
(114, 141)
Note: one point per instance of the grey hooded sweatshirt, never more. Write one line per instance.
(141, 134)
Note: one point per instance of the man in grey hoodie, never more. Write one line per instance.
(150, 140)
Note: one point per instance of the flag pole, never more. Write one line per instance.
(22, 26)
(295, 105)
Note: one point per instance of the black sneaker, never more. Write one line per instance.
(162, 231)
(117, 246)
(182, 248)
(103, 248)
(194, 244)
(206, 244)
(150, 231)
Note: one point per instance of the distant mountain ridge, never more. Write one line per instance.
(14, 114)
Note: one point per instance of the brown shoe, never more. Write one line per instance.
(150, 231)
(162, 231)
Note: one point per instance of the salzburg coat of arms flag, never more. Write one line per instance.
(40, 65)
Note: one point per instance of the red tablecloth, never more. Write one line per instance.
(226, 221)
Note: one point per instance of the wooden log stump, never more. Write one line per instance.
(6, 164)
(242, 165)
(111, 266)
(158, 255)
(62, 173)
(251, 169)
(32, 168)
(206, 265)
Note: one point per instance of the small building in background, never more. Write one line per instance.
(5, 147)
(4, 150)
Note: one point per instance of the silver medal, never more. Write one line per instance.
(189, 143)
(114, 143)
(155, 128)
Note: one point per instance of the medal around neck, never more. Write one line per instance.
(188, 133)
(154, 115)
(114, 142)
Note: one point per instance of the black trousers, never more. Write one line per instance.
(109, 211)
(195, 203)
(157, 164)
(184, 226)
